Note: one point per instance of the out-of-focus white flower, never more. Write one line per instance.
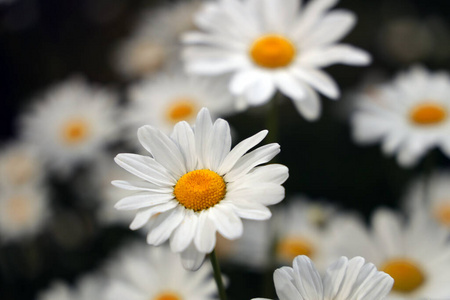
(345, 279)
(172, 97)
(154, 43)
(414, 253)
(71, 124)
(19, 166)
(141, 272)
(408, 117)
(23, 211)
(193, 185)
(89, 287)
(273, 45)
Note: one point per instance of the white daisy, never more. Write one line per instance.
(19, 165)
(141, 272)
(169, 98)
(432, 196)
(154, 43)
(89, 287)
(23, 211)
(344, 280)
(270, 45)
(408, 116)
(414, 253)
(192, 185)
(71, 123)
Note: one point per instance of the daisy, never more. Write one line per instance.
(140, 272)
(193, 186)
(19, 166)
(23, 211)
(431, 195)
(273, 45)
(344, 280)
(172, 97)
(71, 124)
(89, 287)
(414, 253)
(154, 43)
(408, 116)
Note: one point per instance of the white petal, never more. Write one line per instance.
(143, 215)
(184, 136)
(340, 53)
(290, 85)
(261, 91)
(183, 236)
(388, 231)
(319, 80)
(242, 80)
(134, 185)
(191, 258)
(266, 194)
(273, 173)
(251, 210)
(284, 286)
(310, 107)
(308, 281)
(203, 126)
(214, 66)
(219, 143)
(227, 223)
(164, 226)
(351, 275)
(142, 200)
(333, 277)
(205, 237)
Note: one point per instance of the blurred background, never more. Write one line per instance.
(48, 41)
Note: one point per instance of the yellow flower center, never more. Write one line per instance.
(406, 274)
(272, 51)
(442, 214)
(200, 189)
(167, 296)
(181, 110)
(19, 209)
(290, 247)
(75, 131)
(428, 114)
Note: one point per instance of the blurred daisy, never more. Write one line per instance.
(299, 232)
(71, 124)
(192, 185)
(154, 273)
(167, 99)
(155, 41)
(269, 45)
(431, 195)
(415, 253)
(344, 280)
(19, 165)
(23, 211)
(408, 116)
(87, 288)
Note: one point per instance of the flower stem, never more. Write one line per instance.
(272, 119)
(217, 275)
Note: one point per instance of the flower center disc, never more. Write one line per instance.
(428, 114)
(406, 274)
(181, 110)
(75, 131)
(442, 214)
(167, 296)
(290, 247)
(272, 51)
(200, 189)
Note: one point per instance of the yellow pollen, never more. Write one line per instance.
(200, 189)
(272, 51)
(290, 247)
(75, 131)
(406, 274)
(181, 110)
(428, 114)
(442, 214)
(167, 296)
(19, 209)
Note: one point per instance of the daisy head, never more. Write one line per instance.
(193, 185)
(23, 211)
(408, 116)
(413, 252)
(345, 279)
(273, 45)
(71, 124)
(141, 272)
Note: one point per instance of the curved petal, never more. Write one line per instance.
(310, 107)
(183, 236)
(203, 127)
(142, 200)
(184, 136)
(164, 225)
(191, 258)
(144, 214)
(227, 223)
(336, 54)
(205, 237)
(319, 80)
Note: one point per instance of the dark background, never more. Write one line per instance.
(43, 42)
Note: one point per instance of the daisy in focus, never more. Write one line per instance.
(193, 185)
(71, 124)
(141, 272)
(409, 116)
(273, 45)
(345, 279)
(414, 253)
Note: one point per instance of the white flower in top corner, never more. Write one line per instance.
(71, 124)
(141, 272)
(414, 252)
(169, 98)
(193, 185)
(345, 279)
(408, 116)
(273, 45)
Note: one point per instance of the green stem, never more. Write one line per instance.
(217, 275)
(272, 119)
